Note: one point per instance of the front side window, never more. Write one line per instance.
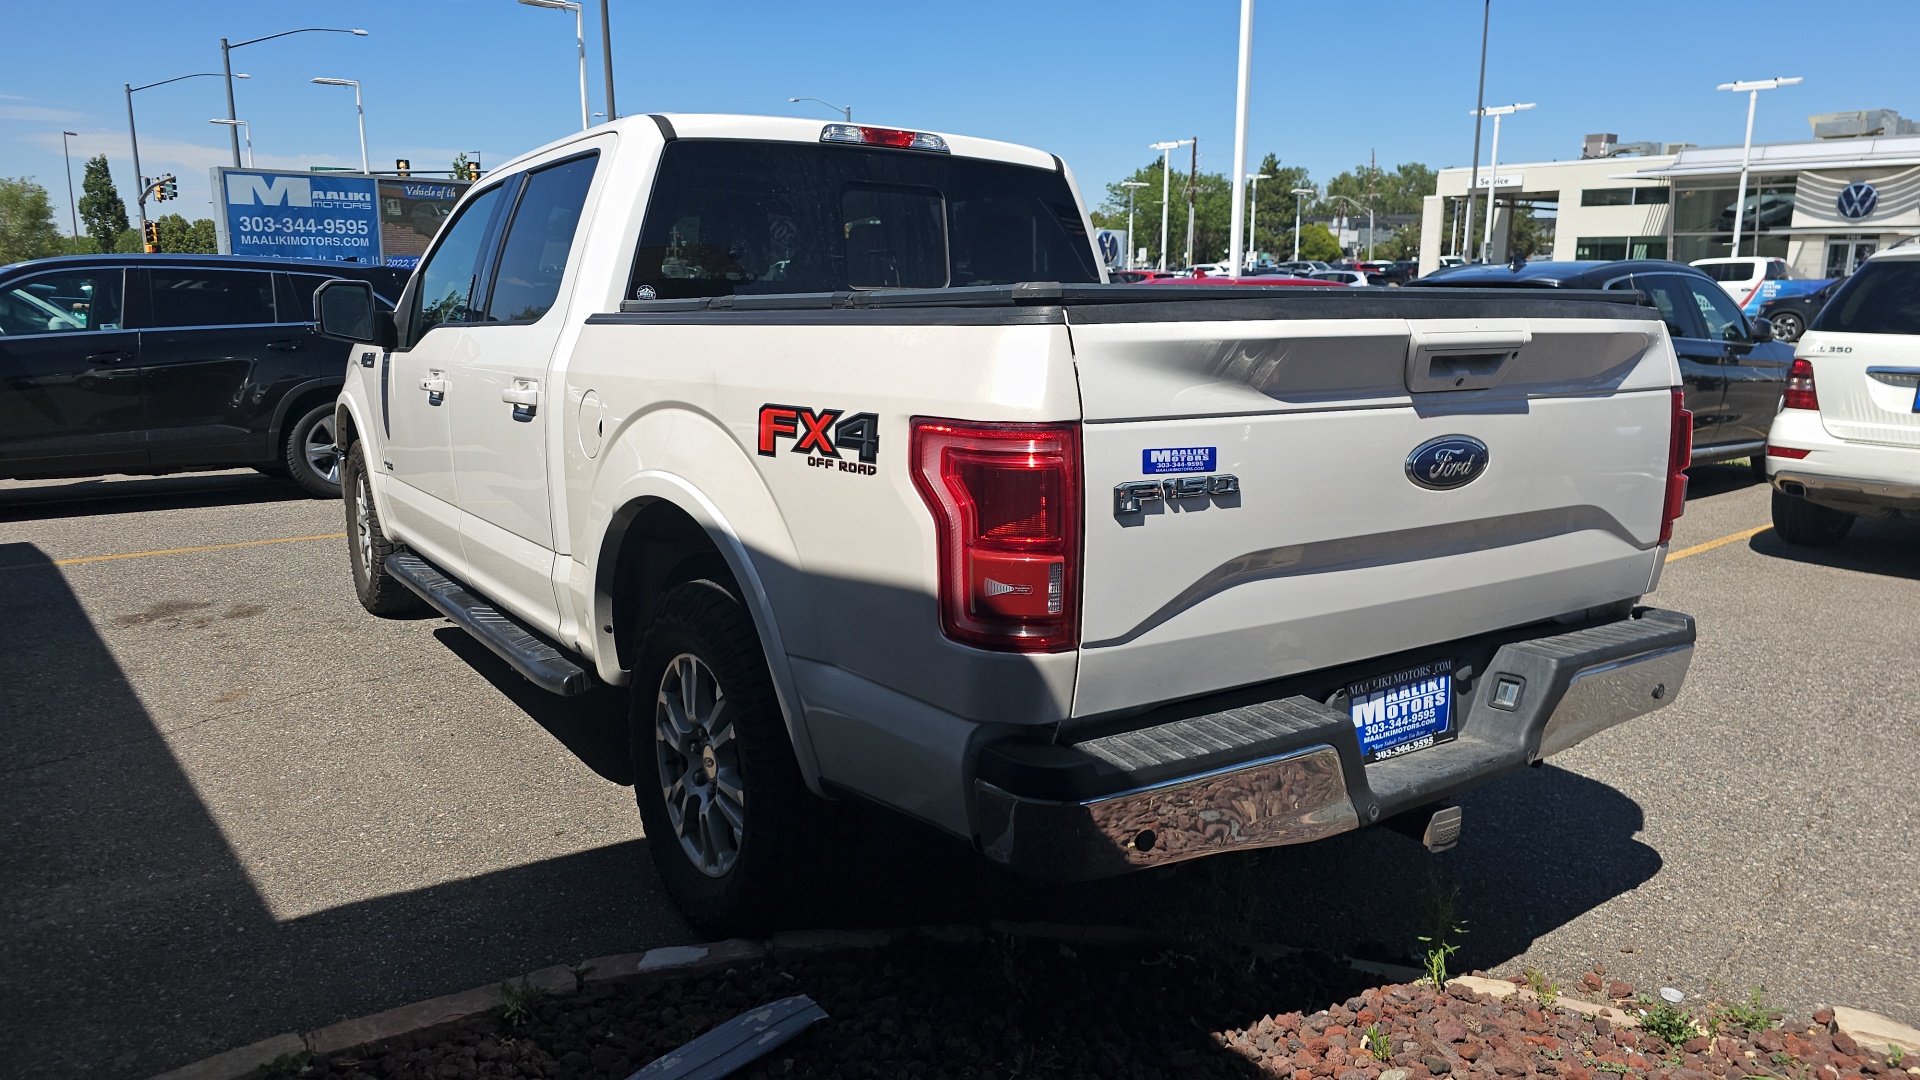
(194, 297)
(736, 217)
(534, 256)
(1723, 320)
(1882, 297)
(447, 278)
(63, 302)
(1676, 304)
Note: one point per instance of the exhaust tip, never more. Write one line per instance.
(1793, 487)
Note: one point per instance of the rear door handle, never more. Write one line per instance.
(290, 345)
(524, 396)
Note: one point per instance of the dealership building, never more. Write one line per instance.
(1822, 205)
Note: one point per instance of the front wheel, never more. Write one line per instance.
(729, 821)
(312, 458)
(368, 547)
(1808, 524)
(1788, 326)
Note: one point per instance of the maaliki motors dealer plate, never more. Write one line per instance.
(1404, 711)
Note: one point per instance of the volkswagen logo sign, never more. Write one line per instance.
(1857, 200)
(1449, 461)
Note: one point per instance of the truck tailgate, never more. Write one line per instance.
(1328, 552)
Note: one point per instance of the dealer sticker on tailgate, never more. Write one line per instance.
(1405, 711)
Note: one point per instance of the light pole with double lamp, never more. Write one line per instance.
(1493, 170)
(843, 110)
(133, 134)
(242, 126)
(1299, 193)
(1746, 154)
(226, 64)
(1253, 212)
(1166, 188)
(357, 108)
(580, 39)
(1130, 185)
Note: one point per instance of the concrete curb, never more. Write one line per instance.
(1501, 988)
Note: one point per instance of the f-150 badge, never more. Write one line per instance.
(1128, 497)
(822, 435)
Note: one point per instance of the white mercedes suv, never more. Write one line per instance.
(1846, 441)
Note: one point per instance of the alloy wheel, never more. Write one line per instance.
(363, 521)
(699, 765)
(321, 455)
(1787, 327)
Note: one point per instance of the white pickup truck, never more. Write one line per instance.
(832, 443)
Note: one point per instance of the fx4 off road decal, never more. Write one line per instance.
(823, 436)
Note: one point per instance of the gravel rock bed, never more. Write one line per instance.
(1008, 1007)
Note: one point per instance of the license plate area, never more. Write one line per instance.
(1403, 711)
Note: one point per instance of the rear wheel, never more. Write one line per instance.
(1788, 326)
(1808, 524)
(368, 547)
(312, 458)
(1758, 463)
(731, 824)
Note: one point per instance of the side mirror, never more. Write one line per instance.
(345, 310)
(1759, 329)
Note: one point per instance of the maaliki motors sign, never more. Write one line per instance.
(326, 217)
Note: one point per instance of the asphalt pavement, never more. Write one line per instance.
(235, 805)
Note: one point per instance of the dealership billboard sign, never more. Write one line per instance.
(330, 216)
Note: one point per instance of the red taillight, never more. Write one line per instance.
(1679, 456)
(1800, 393)
(1786, 452)
(1006, 501)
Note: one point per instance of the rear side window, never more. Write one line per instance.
(534, 257)
(1727, 271)
(729, 217)
(1882, 297)
(193, 297)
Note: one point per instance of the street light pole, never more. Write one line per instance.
(133, 135)
(1753, 89)
(1130, 185)
(1298, 194)
(580, 39)
(1253, 210)
(73, 210)
(226, 65)
(1493, 171)
(1479, 118)
(843, 110)
(1166, 189)
(1359, 206)
(1235, 252)
(240, 125)
(606, 56)
(358, 109)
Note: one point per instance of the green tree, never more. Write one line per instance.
(1273, 221)
(102, 212)
(178, 236)
(1528, 235)
(1317, 242)
(1213, 211)
(27, 230)
(1396, 192)
(128, 242)
(462, 168)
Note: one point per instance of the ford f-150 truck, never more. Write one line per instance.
(832, 444)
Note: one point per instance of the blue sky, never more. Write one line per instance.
(1093, 82)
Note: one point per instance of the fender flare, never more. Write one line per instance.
(376, 478)
(635, 494)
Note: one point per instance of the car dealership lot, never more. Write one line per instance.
(237, 805)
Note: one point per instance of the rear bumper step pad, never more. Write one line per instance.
(1291, 771)
(531, 655)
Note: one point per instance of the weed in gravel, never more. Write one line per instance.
(1669, 1022)
(1751, 1015)
(1376, 1043)
(287, 1066)
(1543, 987)
(1443, 926)
(1896, 1055)
(517, 1001)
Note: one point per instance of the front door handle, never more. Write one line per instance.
(435, 384)
(112, 356)
(524, 396)
(290, 345)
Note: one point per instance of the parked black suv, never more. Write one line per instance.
(162, 363)
(1732, 368)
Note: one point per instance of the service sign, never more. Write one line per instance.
(327, 217)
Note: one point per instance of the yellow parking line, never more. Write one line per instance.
(1722, 542)
(190, 550)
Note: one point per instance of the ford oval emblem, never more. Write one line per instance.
(1449, 461)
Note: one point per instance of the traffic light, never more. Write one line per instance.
(153, 236)
(169, 188)
(403, 166)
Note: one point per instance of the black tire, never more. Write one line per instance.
(311, 460)
(725, 879)
(1758, 463)
(368, 547)
(1808, 524)
(1788, 326)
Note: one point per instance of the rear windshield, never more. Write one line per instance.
(1882, 297)
(743, 218)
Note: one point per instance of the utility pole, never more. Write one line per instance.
(1236, 254)
(1193, 189)
(1479, 117)
(606, 54)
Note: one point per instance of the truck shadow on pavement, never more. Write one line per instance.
(1887, 547)
(133, 936)
(135, 494)
(1705, 481)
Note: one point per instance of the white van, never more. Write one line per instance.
(1743, 275)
